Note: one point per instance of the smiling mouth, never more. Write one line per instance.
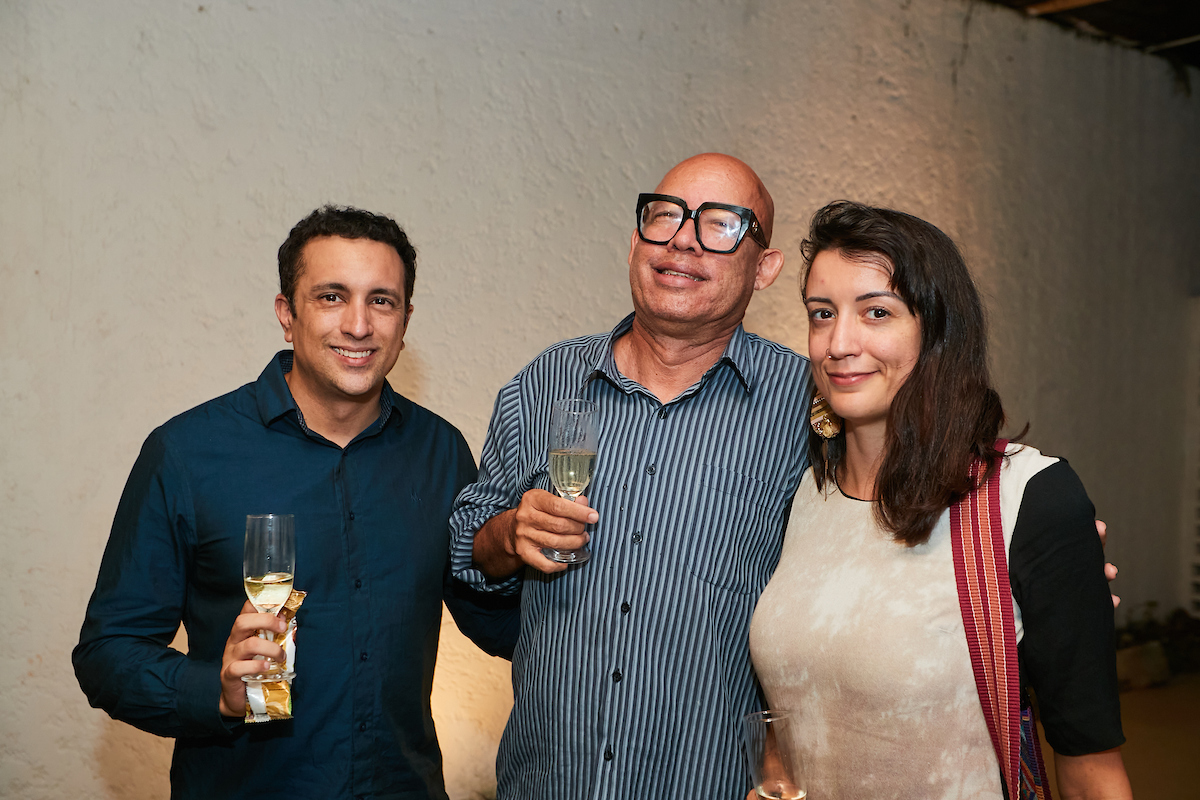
(679, 274)
(352, 353)
(847, 378)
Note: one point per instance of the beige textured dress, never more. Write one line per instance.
(862, 638)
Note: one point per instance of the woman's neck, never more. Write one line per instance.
(864, 455)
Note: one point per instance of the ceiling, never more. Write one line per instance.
(1168, 28)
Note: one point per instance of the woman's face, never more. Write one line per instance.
(862, 339)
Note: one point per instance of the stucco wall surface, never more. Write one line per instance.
(153, 155)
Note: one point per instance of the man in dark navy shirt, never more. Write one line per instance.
(370, 478)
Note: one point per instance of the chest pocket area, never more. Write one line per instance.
(739, 535)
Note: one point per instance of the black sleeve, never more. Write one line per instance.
(124, 662)
(1068, 656)
(489, 619)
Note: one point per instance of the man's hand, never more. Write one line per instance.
(1110, 570)
(241, 647)
(513, 538)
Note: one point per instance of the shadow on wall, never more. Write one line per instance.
(132, 763)
(408, 376)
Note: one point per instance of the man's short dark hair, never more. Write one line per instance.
(348, 223)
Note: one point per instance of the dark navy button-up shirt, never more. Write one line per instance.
(633, 670)
(371, 552)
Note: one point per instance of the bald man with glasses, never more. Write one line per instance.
(632, 670)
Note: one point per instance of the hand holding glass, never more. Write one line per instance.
(268, 563)
(771, 754)
(573, 435)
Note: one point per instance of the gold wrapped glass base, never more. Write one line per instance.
(269, 696)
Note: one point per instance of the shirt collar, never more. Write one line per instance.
(737, 355)
(275, 396)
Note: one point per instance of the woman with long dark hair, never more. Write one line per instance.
(931, 570)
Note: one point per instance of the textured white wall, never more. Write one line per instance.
(153, 155)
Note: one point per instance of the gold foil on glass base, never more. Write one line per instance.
(270, 697)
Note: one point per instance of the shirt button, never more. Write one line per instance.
(358, 583)
(637, 537)
(362, 726)
(351, 515)
(662, 413)
(616, 676)
(363, 656)
(608, 753)
(650, 470)
(624, 608)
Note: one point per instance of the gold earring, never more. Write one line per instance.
(824, 422)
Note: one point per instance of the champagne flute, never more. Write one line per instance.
(772, 756)
(269, 563)
(573, 435)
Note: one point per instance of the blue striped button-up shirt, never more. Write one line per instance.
(632, 670)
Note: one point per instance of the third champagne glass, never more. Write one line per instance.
(771, 755)
(573, 436)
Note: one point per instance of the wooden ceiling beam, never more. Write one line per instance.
(1177, 43)
(1055, 6)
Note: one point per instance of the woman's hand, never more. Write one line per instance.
(1110, 570)
(1096, 776)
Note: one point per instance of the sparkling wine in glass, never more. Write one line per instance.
(269, 561)
(772, 756)
(573, 436)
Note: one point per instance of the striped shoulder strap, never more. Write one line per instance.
(985, 597)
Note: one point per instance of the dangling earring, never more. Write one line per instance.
(824, 422)
(827, 425)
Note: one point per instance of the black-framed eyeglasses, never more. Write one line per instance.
(720, 227)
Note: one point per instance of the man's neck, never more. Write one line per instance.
(338, 421)
(667, 364)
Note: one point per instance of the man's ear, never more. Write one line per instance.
(770, 264)
(283, 310)
(407, 316)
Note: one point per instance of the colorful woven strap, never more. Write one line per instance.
(985, 597)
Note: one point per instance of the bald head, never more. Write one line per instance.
(685, 293)
(722, 179)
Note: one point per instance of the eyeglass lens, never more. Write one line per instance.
(718, 229)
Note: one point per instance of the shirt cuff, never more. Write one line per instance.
(462, 547)
(199, 699)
